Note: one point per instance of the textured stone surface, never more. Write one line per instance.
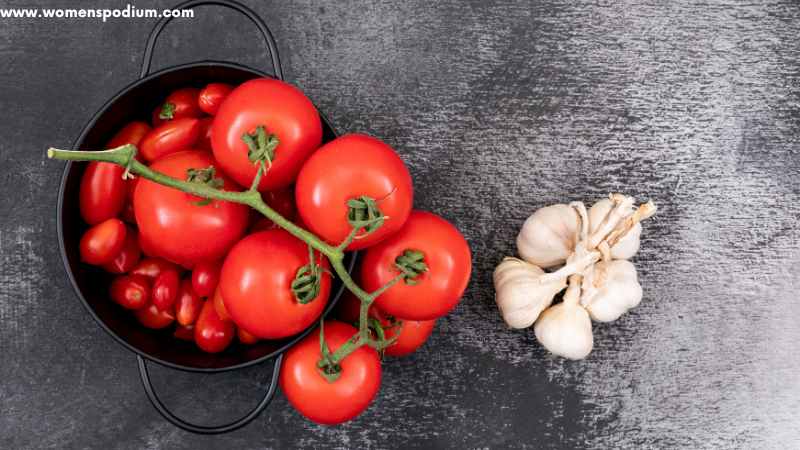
(498, 108)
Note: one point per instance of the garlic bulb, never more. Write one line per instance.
(611, 289)
(519, 293)
(548, 236)
(628, 245)
(565, 329)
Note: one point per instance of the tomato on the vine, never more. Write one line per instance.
(127, 258)
(277, 108)
(181, 227)
(256, 285)
(282, 201)
(347, 170)
(317, 398)
(211, 333)
(103, 242)
(432, 292)
(170, 137)
(179, 104)
(211, 97)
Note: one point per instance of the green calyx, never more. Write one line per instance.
(328, 368)
(206, 177)
(167, 111)
(363, 213)
(308, 280)
(261, 145)
(412, 265)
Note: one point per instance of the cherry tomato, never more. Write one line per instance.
(103, 242)
(179, 104)
(413, 333)
(282, 110)
(256, 285)
(347, 168)
(205, 277)
(130, 291)
(204, 139)
(282, 201)
(127, 258)
(211, 97)
(184, 332)
(188, 304)
(181, 227)
(211, 333)
(219, 305)
(437, 290)
(152, 317)
(131, 133)
(315, 397)
(245, 337)
(165, 290)
(152, 267)
(170, 137)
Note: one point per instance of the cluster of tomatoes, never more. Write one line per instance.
(215, 269)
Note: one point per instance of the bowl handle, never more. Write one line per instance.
(236, 6)
(205, 429)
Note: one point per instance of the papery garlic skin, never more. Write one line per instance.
(520, 295)
(626, 247)
(611, 289)
(565, 330)
(548, 236)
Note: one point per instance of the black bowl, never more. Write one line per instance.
(91, 284)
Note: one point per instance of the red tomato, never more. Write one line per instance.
(188, 304)
(204, 141)
(348, 308)
(205, 277)
(211, 97)
(347, 168)
(127, 258)
(153, 267)
(131, 133)
(179, 104)
(282, 201)
(130, 291)
(184, 333)
(219, 305)
(245, 337)
(176, 226)
(170, 137)
(256, 285)
(211, 333)
(281, 109)
(436, 291)
(315, 397)
(165, 290)
(413, 334)
(103, 242)
(152, 317)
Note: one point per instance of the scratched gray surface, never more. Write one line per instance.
(498, 108)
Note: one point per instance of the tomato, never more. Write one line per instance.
(178, 226)
(170, 137)
(152, 267)
(315, 397)
(205, 277)
(165, 290)
(348, 308)
(211, 97)
(211, 333)
(256, 285)
(245, 337)
(131, 133)
(184, 332)
(347, 168)
(130, 291)
(437, 290)
(413, 334)
(282, 110)
(204, 139)
(103, 242)
(282, 201)
(188, 304)
(179, 104)
(127, 258)
(152, 317)
(219, 305)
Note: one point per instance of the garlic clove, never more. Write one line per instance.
(548, 236)
(520, 295)
(626, 247)
(565, 330)
(611, 289)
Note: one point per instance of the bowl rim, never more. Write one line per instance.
(333, 299)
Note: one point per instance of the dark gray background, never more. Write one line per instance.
(498, 108)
